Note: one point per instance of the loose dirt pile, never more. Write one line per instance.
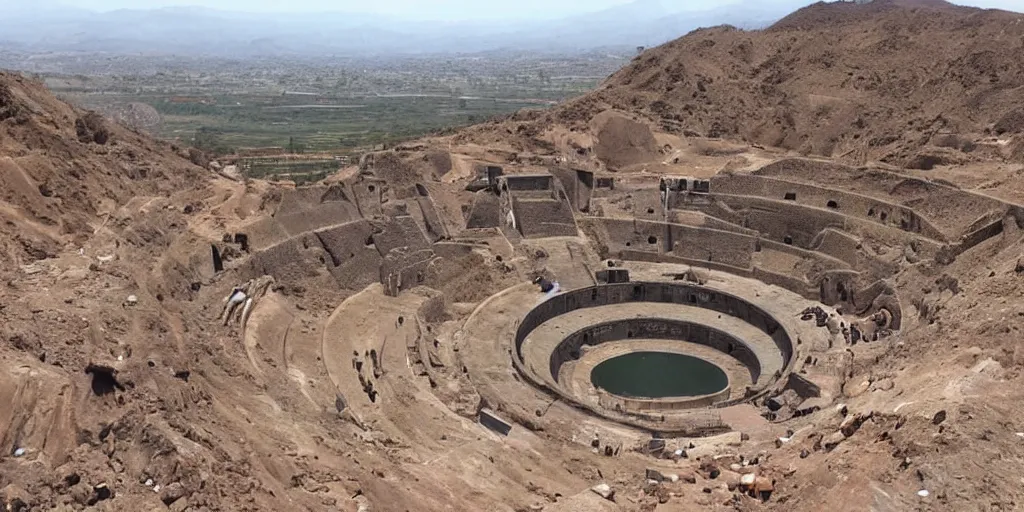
(621, 141)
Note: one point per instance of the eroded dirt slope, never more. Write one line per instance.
(65, 170)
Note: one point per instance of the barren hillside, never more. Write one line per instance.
(65, 170)
(912, 84)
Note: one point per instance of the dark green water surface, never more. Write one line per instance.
(658, 375)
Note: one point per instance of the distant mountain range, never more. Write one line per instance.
(198, 31)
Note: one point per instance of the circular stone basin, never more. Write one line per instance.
(658, 375)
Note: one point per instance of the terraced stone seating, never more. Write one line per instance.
(555, 332)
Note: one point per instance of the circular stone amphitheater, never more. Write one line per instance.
(687, 305)
(731, 308)
(552, 338)
(658, 353)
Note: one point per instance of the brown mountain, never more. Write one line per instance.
(910, 83)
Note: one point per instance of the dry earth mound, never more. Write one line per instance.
(621, 141)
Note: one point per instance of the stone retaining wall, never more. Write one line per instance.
(654, 328)
(679, 293)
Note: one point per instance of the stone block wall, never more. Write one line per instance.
(526, 182)
(453, 250)
(721, 225)
(345, 241)
(651, 257)
(435, 229)
(578, 186)
(679, 293)
(264, 233)
(839, 245)
(317, 216)
(398, 232)
(695, 244)
(368, 195)
(622, 234)
(948, 208)
(293, 260)
(298, 199)
(543, 218)
(404, 269)
(846, 203)
(486, 211)
(647, 204)
(980, 235)
(789, 282)
(353, 262)
(726, 247)
(731, 252)
(782, 221)
(629, 405)
(819, 260)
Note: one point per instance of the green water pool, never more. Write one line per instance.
(658, 375)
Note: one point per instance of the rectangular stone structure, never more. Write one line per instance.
(493, 422)
(612, 276)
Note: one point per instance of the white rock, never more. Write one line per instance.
(231, 171)
(900, 406)
(748, 479)
(156, 488)
(149, 482)
(603, 490)
(923, 493)
(31, 269)
(132, 300)
(672, 477)
(19, 452)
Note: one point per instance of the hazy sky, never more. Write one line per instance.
(427, 9)
(456, 10)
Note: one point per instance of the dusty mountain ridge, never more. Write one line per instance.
(355, 383)
(912, 84)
